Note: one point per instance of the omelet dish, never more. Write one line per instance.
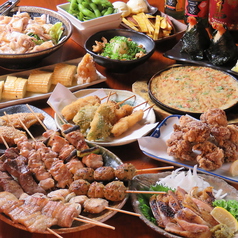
(194, 89)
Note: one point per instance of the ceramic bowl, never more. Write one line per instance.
(28, 60)
(120, 66)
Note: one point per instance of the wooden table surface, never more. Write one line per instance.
(126, 225)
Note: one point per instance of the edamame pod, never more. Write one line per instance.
(108, 11)
(95, 9)
(86, 12)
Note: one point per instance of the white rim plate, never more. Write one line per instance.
(149, 115)
(161, 134)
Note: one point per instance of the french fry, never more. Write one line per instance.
(130, 24)
(141, 23)
(1, 88)
(155, 27)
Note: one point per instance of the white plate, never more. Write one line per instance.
(155, 147)
(127, 137)
(37, 96)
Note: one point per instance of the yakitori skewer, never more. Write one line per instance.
(97, 205)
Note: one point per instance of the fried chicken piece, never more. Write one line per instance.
(214, 117)
(230, 151)
(180, 148)
(233, 133)
(211, 157)
(220, 133)
(194, 130)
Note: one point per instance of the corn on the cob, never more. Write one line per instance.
(1, 88)
(64, 74)
(14, 88)
(39, 81)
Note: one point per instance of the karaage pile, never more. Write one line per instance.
(210, 141)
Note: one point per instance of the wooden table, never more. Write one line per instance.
(126, 225)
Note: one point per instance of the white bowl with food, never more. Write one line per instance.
(82, 29)
(37, 46)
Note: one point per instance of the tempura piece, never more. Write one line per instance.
(124, 110)
(84, 117)
(28, 119)
(86, 70)
(127, 122)
(103, 121)
(69, 111)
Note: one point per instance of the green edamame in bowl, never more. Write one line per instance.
(85, 10)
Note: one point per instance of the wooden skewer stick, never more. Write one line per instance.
(123, 211)
(38, 119)
(54, 233)
(149, 107)
(145, 192)
(94, 223)
(152, 169)
(4, 141)
(140, 104)
(110, 94)
(119, 103)
(98, 222)
(32, 137)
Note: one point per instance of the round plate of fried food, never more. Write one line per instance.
(191, 89)
(118, 117)
(144, 204)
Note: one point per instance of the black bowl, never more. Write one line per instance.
(120, 66)
(28, 60)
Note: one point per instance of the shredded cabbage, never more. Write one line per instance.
(56, 32)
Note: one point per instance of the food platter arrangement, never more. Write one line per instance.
(58, 174)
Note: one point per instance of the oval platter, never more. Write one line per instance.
(143, 181)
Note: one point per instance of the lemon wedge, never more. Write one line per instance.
(235, 68)
(234, 168)
(222, 216)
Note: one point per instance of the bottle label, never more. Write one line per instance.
(225, 12)
(196, 8)
(174, 5)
